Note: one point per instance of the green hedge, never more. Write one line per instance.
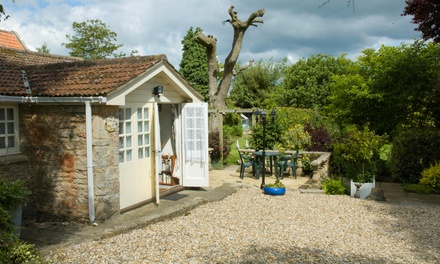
(413, 151)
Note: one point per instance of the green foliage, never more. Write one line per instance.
(413, 151)
(276, 184)
(232, 119)
(12, 249)
(296, 138)
(233, 156)
(356, 152)
(273, 135)
(333, 186)
(361, 146)
(12, 193)
(390, 88)
(194, 65)
(44, 48)
(93, 39)
(431, 176)
(232, 131)
(306, 165)
(286, 116)
(307, 82)
(255, 86)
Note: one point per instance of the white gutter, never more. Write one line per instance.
(90, 183)
(43, 99)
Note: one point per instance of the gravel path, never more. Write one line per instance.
(250, 227)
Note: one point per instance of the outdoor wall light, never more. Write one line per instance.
(158, 90)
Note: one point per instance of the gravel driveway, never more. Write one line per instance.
(250, 227)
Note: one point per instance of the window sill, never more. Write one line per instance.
(13, 159)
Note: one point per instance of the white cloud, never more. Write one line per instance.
(292, 28)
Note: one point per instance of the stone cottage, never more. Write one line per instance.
(96, 138)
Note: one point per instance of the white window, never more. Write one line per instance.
(9, 137)
(125, 135)
(134, 134)
(143, 132)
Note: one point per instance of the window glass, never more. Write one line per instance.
(9, 138)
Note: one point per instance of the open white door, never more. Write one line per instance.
(157, 151)
(195, 171)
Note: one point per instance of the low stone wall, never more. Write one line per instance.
(321, 167)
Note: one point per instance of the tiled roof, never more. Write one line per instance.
(75, 78)
(25, 58)
(10, 39)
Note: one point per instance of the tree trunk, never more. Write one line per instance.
(218, 92)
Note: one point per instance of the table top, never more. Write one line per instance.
(268, 153)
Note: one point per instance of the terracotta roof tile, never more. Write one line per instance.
(10, 39)
(76, 78)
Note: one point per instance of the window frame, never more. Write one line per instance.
(16, 149)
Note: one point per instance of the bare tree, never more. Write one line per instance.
(218, 91)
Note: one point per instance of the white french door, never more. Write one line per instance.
(135, 176)
(195, 145)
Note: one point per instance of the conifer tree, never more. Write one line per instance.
(194, 66)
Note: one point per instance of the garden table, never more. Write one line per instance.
(272, 155)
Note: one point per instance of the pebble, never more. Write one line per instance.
(251, 227)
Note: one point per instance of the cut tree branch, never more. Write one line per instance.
(251, 62)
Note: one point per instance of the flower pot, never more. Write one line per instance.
(364, 189)
(16, 216)
(274, 190)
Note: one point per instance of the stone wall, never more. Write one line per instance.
(54, 140)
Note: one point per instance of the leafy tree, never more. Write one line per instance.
(44, 48)
(389, 88)
(255, 86)
(3, 13)
(307, 82)
(360, 149)
(93, 39)
(426, 14)
(134, 53)
(273, 134)
(194, 66)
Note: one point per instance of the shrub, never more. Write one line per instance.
(413, 151)
(333, 186)
(357, 152)
(431, 176)
(306, 165)
(12, 193)
(12, 249)
(232, 131)
(319, 137)
(273, 135)
(214, 143)
(296, 137)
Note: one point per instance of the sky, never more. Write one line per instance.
(292, 29)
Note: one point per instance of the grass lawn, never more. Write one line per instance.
(233, 155)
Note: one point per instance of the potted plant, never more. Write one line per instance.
(277, 188)
(13, 194)
(360, 150)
